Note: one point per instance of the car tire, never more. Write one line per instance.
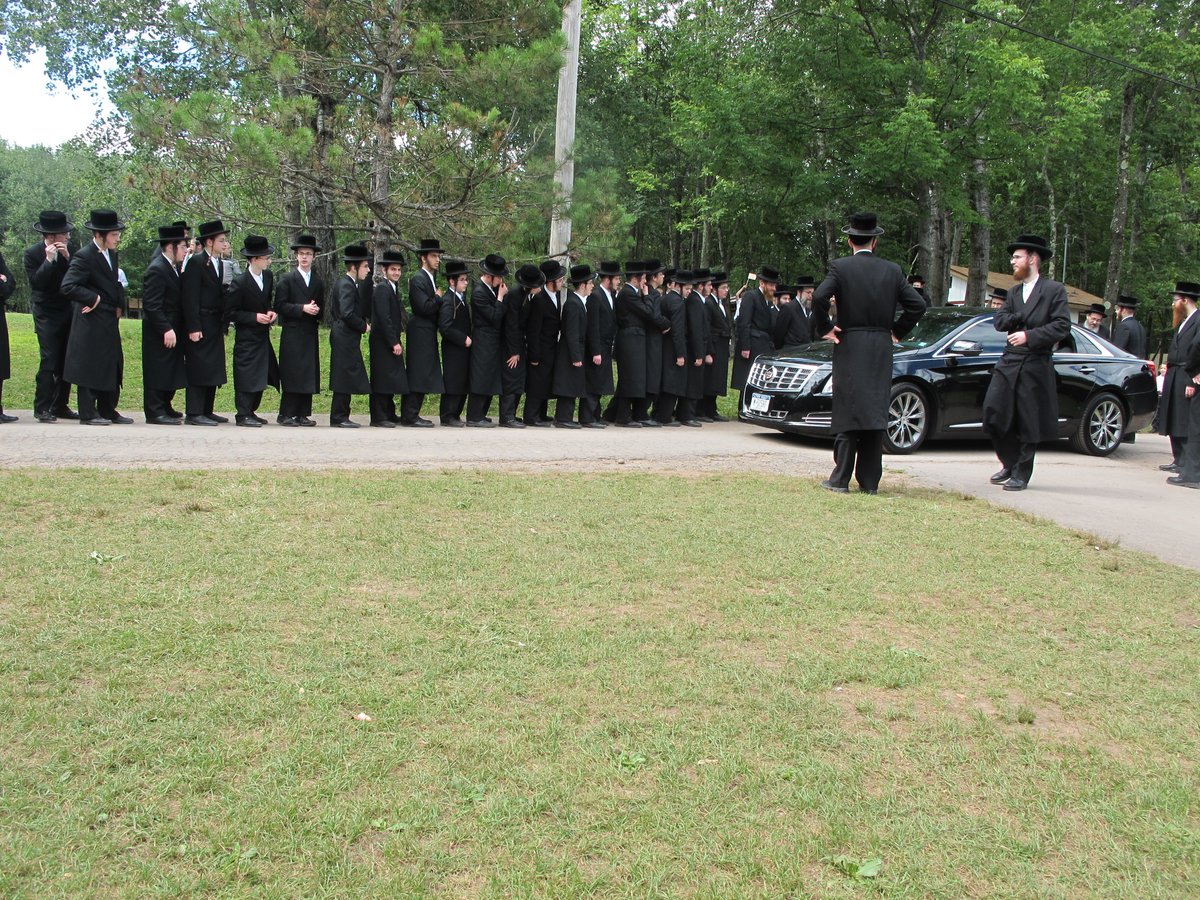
(910, 419)
(1102, 426)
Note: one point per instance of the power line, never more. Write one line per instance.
(1083, 50)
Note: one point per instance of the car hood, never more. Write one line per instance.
(818, 352)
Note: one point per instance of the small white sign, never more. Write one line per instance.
(760, 402)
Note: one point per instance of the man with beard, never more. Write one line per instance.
(541, 336)
(601, 338)
(163, 368)
(698, 340)
(570, 379)
(95, 362)
(1129, 334)
(347, 372)
(634, 323)
(388, 377)
(1094, 321)
(454, 323)
(424, 365)
(1172, 418)
(487, 324)
(753, 322)
(1021, 406)
(250, 301)
(299, 299)
(996, 298)
(716, 375)
(674, 370)
(516, 313)
(202, 287)
(1189, 476)
(794, 323)
(656, 275)
(45, 265)
(868, 291)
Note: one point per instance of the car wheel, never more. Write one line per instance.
(909, 419)
(1102, 427)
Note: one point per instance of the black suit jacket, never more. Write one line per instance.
(1130, 336)
(45, 278)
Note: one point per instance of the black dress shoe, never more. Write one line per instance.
(671, 424)
(174, 414)
(98, 420)
(67, 413)
(541, 423)
(593, 425)
(691, 423)
(383, 423)
(306, 422)
(199, 420)
(717, 417)
(5, 418)
(649, 423)
(418, 423)
(46, 417)
(345, 424)
(629, 424)
(1015, 484)
(118, 419)
(837, 489)
(288, 422)
(162, 420)
(453, 423)
(1178, 481)
(1170, 467)
(1002, 476)
(248, 422)
(512, 423)
(558, 424)
(220, 420)
(482, 423)
(704, 420)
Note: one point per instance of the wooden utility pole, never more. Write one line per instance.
(564, 132)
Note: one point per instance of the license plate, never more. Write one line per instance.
(760, 403)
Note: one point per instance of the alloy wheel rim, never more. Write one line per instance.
(1106, 425)
(906, 421)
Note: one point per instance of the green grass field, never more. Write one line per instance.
(582, 686)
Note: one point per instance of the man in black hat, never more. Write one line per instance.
(868, 291)
(698, 340)
(541, 338)
(424, 365)
(570, 379)
(7, 286)
(299, 300)
(754, 322)
(388, 320)
(793, 325)
(1129, 334)
(635, 328)
(163, 368)
(94, 361)
(1173, 410)
(652, 287)
(673, 371)
(250, 307)
(351, 320)
(202, 285)
(45, 265)
(601, 338)
(1020, 408)
(716, 375)
(1189, 474)
(454, 323)
(516, 311)
(1094, 320)
(487, 324)
(996, 298)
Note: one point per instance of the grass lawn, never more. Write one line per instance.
(582, 686)
(18, 391)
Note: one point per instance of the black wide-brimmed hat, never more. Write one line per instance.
(356, 253)
(669, 275)
(863, 224)
(785, 290)
(654, 266)
(51, 221)
(256, 245)
(720, 278)
(552, 269)
(1032, 242)
(180, 223)
(1097, 308)
(805, 281)
(635, 267)
(530, 277)
(170, 234)
(1187, 288)
(1000, 293)
(429, 245)
(608, 269)
(104, 220)
(211, 229)
(768, 273)
(913, 279)
(703, 275)
(494, 264)
(581, 273)
(1127, 301)
(391, 258)
(305, 242)
(455, 268)
(685, 276)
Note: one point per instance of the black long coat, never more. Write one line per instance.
(1130, 336)
(163, 368)
(94, 356)
(698, 344)
(1023, 385)
(541, 339)
(299, 333)
(51, 310)
(654, 344)
(716, 376)
(674, 346)
(516, 314)
(347, 371)
(203, 292)
(792, 325)
(7, 286)
(388, 319)
(487, 359)
(601, 335)
(454, 323)
(254, 363)
(1172, 418)
(754, 324)
(634, 320)
(424, 364)
(571, 380)
(868, 290)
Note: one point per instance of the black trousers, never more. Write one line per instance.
(295, 406)
(858, 453)
(339, 408)
(451, 406)
(246, 403)
(564, 409)
(50, 392)
(478, 406)
(410, 407)
(641, 407)
(623, 411)
(508, 407)
(1178, 449)
(199, 400)
(664, 407)
(383, 408)
(589, 409)
(1015, 454)
(93, 404)
(155, 403)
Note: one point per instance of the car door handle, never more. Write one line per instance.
(1087, 370)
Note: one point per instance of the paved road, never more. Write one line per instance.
(1123, 498)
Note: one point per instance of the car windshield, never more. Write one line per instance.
(934, 326)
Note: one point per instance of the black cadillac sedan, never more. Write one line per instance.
(940, 374)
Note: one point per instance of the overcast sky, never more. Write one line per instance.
(32, 115)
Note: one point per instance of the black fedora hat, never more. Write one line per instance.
(654, 266)
(391, 258)
(703, 275)
(635, 267)
(1097, 308)
(1032, 242)
(720, 278)
(169, 234)
(305, 242)
(685, 276)
(785, 290)
(999, 293)
(552, 269)
(51, 221)
(211, 229)
(356, 253)
(530, 277)
(863, 224)
(608, 269)
(1127, 301)
(768, 273)
(455, 268)
(104, 220)
(581, 273)
(670, 275)
(1187, 288)
(256, 245)
(805, 281)
(429, 245)
(180, 223)
(914, 279)
(494, 264)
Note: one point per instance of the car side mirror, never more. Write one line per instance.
(966, 348)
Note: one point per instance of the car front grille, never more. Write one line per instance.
(782, 376)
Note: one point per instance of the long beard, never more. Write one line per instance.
(1021, 271)
(1178, 314)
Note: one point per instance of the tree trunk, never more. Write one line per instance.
(932, 242)
(1116, 251)
(564, 131)
(981, 236)
(1053, 212)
